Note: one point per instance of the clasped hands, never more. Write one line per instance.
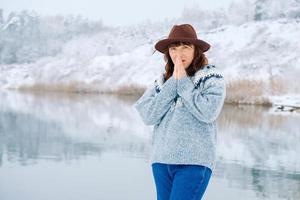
(179, 70)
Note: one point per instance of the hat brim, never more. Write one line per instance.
(162, 45)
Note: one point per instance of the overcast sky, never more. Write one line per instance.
(111, 12)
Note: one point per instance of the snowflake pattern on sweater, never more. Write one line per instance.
(184, 114)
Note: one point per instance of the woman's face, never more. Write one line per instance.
(186, 52)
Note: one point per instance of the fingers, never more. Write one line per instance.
(175, 72)
(177, 66)
(178, 60)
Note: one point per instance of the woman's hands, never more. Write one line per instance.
(179, 70)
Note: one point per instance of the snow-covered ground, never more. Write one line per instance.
(259, 59)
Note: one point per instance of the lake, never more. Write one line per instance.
(95, 146)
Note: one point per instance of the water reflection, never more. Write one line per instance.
(60, 127)
(258, 150)
(256, 137)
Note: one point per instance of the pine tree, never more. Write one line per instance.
(260, 10)
(1, 17)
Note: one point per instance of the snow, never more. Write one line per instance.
(259, 59)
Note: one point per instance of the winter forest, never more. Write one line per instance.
(254, 42)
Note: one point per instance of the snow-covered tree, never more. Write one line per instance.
(240, 12)
(1, 17)
(260, 10)
(26, 36)
(270, 9)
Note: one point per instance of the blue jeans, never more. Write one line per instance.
(180, 181)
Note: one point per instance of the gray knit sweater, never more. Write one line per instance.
(184, 114)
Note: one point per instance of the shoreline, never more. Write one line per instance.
(284, 103)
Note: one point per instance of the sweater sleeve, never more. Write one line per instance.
(153, 105)
(205, 104)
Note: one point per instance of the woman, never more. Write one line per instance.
(183, 105)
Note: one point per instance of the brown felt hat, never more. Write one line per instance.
(184, 33)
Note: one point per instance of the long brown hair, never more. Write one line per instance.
(199, 60)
